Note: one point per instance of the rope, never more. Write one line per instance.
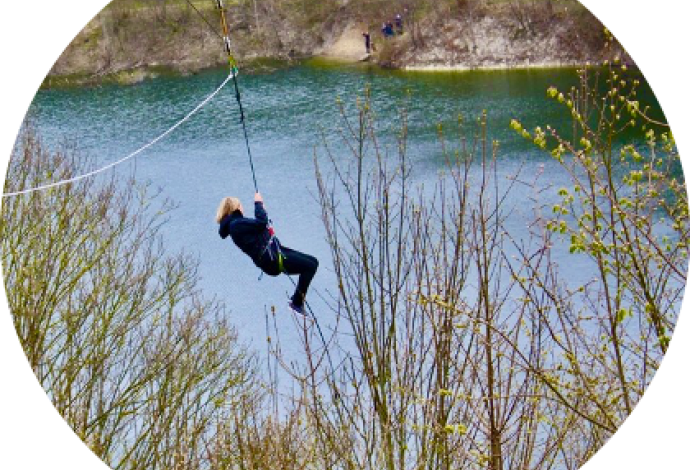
(131, 155)
(244, 129)
(233, 68)
(208, 23)
(318, 327)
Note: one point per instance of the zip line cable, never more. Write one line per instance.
(233, 68)
(136, 152)
(244, 129)
(233, 75)
(205, 20)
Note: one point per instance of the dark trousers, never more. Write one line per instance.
(294, 262)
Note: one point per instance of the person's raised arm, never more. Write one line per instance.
(259, 211)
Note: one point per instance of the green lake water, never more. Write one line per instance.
(290, 111)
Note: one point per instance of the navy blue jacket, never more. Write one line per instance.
(250, 235)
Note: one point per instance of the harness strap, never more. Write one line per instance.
(281, 266)
(280, 257)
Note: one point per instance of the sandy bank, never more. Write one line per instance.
(348, 46)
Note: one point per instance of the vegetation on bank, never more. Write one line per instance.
(467, 346)
(130, 39)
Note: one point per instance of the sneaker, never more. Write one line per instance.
(297, 308)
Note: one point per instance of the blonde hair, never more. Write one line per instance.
(227, 206)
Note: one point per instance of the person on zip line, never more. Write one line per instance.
(255, 237)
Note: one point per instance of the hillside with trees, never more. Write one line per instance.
(133, 39)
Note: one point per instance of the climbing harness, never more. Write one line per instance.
(279, 255)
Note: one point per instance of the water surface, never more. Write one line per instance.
(290, 113)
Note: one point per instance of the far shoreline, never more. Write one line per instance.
(450, 68)
(143, 73)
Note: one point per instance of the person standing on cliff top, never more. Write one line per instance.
(398, 23)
